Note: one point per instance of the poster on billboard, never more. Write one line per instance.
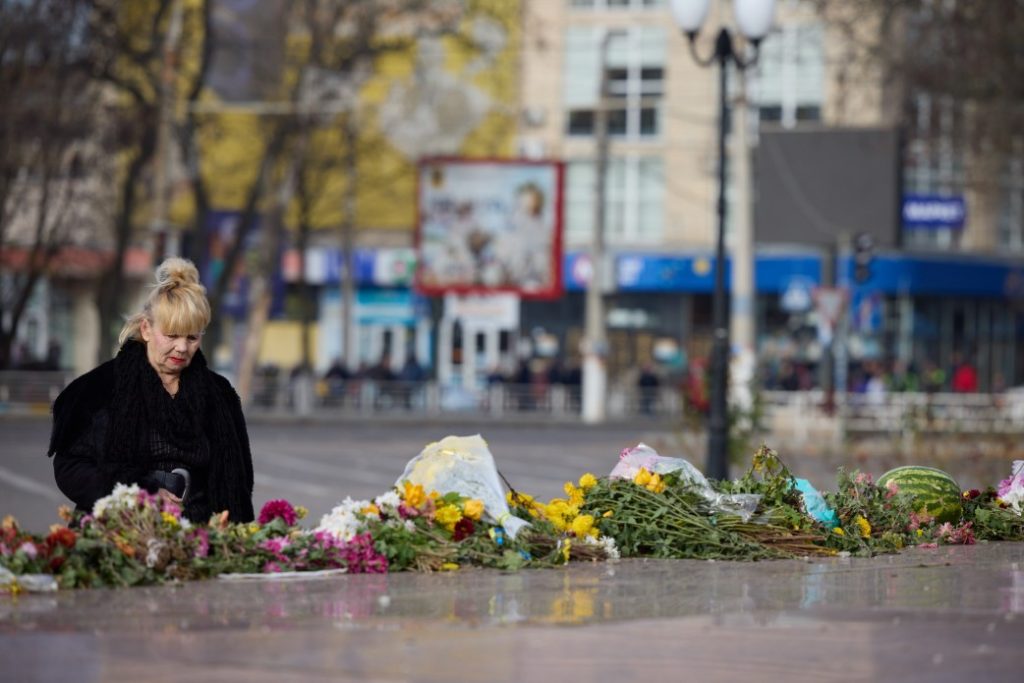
(490, 226)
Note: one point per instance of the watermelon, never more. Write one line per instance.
(934, 491)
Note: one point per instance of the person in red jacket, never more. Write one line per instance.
(965, 376)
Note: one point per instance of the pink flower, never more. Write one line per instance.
(29, 548)
(361, 557)
(891, 488)
(862, 478)
(959, 535)
(272, 568)
(278, 508)
(202, 539)
(275, 545)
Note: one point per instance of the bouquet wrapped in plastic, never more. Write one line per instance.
(463, 464)
(631, 460)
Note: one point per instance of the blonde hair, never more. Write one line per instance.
(177, 302)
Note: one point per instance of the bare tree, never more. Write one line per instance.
(313, 87)
(46, 114)
(128, 54)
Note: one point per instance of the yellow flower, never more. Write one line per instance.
(583, 525)
(838, 531)
(371, 509)
(560, 512)
(9, 523)
(607, 513)
(568, 487)
(434, 495)
(642, 478)
(448, 516)
(473, 508)
(655, 485)
(566, 547)
(864, 526)
(169, 519)
(449, 566)
(253, 527)
(588, 481)
(301, 511)
(920, 532)
(414, 495)
(65, 513)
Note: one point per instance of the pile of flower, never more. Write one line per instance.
(132, 537)
(666, 515)
(414, 529)
(135, 538)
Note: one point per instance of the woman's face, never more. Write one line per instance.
(169, 354)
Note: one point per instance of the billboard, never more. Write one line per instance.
(816, 184)
(490, 226)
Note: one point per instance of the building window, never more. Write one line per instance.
(636, 81)
(1011, 214)
(788, 83)
(932, 165)
(634, 201)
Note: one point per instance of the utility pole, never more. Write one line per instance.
(743, 303)
(595, 343)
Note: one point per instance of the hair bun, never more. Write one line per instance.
(176, 272)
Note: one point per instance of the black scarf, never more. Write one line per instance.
(130, 389)
(140, 400)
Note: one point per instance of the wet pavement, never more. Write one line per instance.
(952, 613)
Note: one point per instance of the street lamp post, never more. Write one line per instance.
(754, 18)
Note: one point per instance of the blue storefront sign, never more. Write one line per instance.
(696, 272)
(933, 212)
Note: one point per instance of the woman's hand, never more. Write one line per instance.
(164, 494)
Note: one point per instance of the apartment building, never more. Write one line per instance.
(926, 299)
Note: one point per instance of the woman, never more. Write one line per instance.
(156, 415)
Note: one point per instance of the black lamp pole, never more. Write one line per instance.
(718, 423)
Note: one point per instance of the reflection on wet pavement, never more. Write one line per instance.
(923, 613)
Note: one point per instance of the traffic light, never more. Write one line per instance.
(863, 253)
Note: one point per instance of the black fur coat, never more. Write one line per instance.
(103, 420)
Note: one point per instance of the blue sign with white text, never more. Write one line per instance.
(933, 212)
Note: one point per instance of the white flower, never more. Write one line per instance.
(153, 548)
(123, 496)
(343, 521)
(1015, 496)
(389, 500)
(606, 543)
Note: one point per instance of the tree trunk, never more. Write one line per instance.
(348, 227)
(112, 281)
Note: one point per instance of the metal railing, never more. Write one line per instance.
(803, 414)
(30, 391)
(290, 394)
(799, 414)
